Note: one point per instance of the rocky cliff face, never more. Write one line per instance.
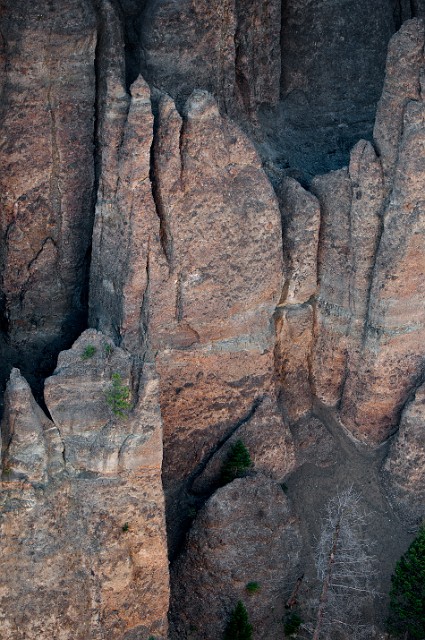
(165, 182)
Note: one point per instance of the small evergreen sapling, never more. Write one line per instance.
(118, 397)
(238, 627)
(88, 352)
(407, 595)
(237, 463)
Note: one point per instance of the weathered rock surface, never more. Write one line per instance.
(294, 343)
(205, 314)
(392, 358)
(189, 272)
(313, 442)
(402, 84)
(351, 210)
(332, 319)
(47, 173)
(300, 226)
(30, 440)
(245, 533)
(368, 314)
(396, 314)
(404, 468)
(268, 440)
(321, 115)
(224, 297)
(230, 49)
(83, 527)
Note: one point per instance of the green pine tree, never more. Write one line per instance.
(407, 596)
(238, 461)
(239, 627)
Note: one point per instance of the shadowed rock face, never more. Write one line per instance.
(243, 534)
(46, 159)
(231, 49)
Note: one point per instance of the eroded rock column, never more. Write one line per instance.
(82, 509)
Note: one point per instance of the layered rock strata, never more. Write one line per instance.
(82, 508)
(370, 321)
(395, 329)
(294, 315)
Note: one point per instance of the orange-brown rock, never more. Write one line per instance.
(244, 533)
(391, 359)
(225, 296)
(332, 319)
(83, 528)
(268, 440)
(352, 209)
(47, 174)
(206, 314)
(294, 343)
(300, 224)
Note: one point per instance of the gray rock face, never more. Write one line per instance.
(321, 114)
(404, 468)
(81, 502)
(243, 534)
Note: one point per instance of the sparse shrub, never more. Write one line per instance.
(118, 397)
(253, 587)
(407, 596)
(292, 624)
(88, 352)
(238, 627)
(237, 463)
(125, 527)
(108, 349)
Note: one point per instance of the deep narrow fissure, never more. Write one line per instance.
(164, 230)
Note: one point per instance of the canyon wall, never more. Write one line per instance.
(212, 232)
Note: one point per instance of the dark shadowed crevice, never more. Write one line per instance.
(132, 16)
(333, 66)
(164, 229)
